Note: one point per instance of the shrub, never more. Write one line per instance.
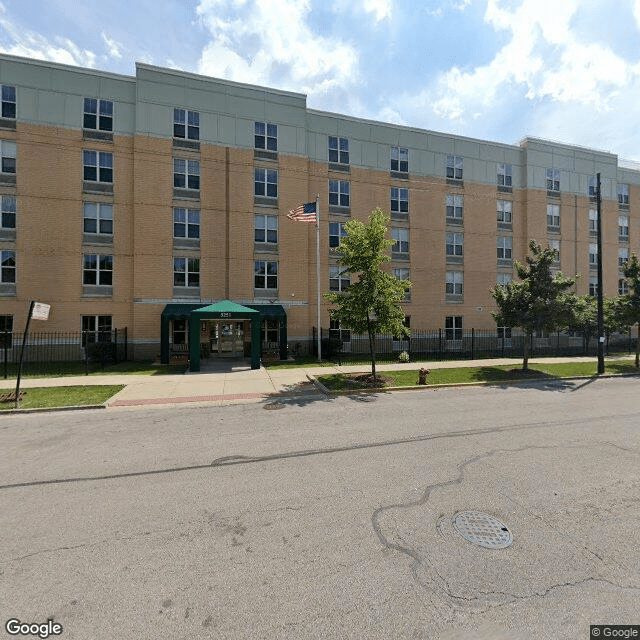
(403, 357)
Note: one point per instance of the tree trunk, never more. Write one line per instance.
(371, 348)
(525, 359)
(638, 348)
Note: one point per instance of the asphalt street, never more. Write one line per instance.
(327, 517)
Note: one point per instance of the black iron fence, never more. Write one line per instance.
(447, 344)
(49, 353)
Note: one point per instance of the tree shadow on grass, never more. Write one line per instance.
(530, 379)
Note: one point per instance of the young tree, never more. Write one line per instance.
(630, 303)
(584, 317)
(372, 304)
(538, 302)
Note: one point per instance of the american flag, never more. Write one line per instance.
(304, 213)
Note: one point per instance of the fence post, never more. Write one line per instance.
(558, 345)
(115, 346)
(440, 343)
(5, 341)
(473, 343)
(126, 355)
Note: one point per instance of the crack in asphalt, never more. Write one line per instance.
(233, 460)
(417, 561)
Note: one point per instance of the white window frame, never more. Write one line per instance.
(555, 245)
(504, 211)
(593, 286)
(454, 244)
(503, 279)
(8, 212)
(101, 162)
(8, 267)
(553, 179)
(103, 214)
(333, 236)
(593, 220)
(623, 226)
(189, 121)
(339, 278)
(7, 100)
(189, 219)
(102, 271)
(8, 156)
(592, 186)
(340, 193)
(268, 224)
(260, 271)
(553, 216)
(265, 136)
(103, 114)
(399, 197)
(186, 174)
(453, 332)
(401, 237)
(188, 270)
(623, 256)
(96, 328)
(623, 193)
(454, 167)
(336, 332)
(454, 206)
(504, 174)
(454, 283)
(403, 273)
(623, 287)
(338, 150)
(593, 253)
(504, 247)
(265, 182)
(399, 159)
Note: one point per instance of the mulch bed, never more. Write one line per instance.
(367, 381)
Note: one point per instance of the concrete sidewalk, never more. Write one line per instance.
(235, 382)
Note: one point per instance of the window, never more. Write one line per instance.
(454, 167)
(179, 331)
(593, 287)
(339, 193)
(266, 136)
(269, 332)
(336, 231)
(7, 267)
(96, 329)
(454, 282)
(504, 211)
(504, 333)
(97, 270)
(8, 102)
(623, 256)
(265, 229)
(623, 194)
(399, 159)
(553, 180)
(186, 223)
(593, 221)
(186, 124)
(593, 254)
(454, 243)
(6, 332)
(402, 273)
(453, 328)
(339, 278)
(186, 174)
(338, 150)
(504, 247)
(265, 275)
(98, 114)
(623, 287)
(186, 272)
(592, 186)
(8, 155)
(399, 200)
(503, 279)
(555, 245)
(623, 226)
(455, 206)
(98, 166)
(337, 333)
(98, 218)
(504, 174)
(401, 236)
(553, 216)
(8, 212)
(266, 182)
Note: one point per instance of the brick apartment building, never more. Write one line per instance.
(134, 201)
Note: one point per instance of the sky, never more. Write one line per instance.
(563, 70)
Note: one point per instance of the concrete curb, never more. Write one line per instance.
(47, 409)
(319, 385)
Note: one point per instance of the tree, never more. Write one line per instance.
(372, 304)
(584, 317)
(629, 309)
(538, 302)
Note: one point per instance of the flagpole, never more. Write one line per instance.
(318, 274)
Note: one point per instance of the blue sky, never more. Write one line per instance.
(566, 70)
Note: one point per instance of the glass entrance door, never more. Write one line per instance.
(227, 339)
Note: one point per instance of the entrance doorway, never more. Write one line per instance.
(227, 339)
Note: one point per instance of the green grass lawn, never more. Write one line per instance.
(43, 397)
(64, 369)
(501, 373)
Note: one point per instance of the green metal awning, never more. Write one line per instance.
(269, 310)
(176, 311)
(225, 306)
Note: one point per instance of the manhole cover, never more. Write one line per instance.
(482, 529)
(275, 405)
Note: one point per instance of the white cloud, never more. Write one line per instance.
(381, 9)
(114, 47)
(269, 42)
(32, 45)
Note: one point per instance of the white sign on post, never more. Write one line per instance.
(40, 311)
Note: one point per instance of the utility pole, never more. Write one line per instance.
(600, 298)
